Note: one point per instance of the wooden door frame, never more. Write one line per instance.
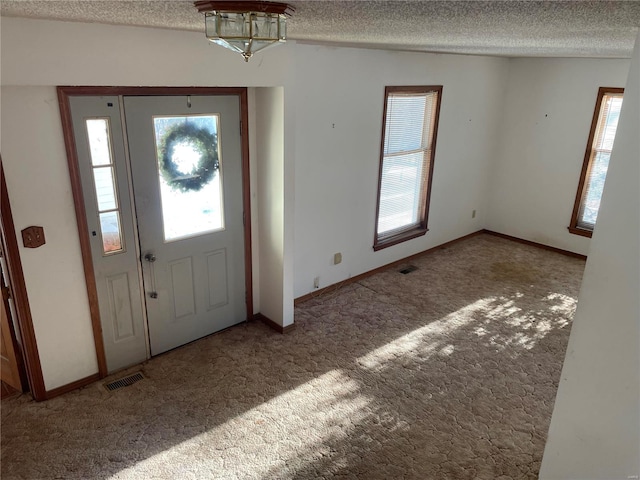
(28, 353)
(64, 93)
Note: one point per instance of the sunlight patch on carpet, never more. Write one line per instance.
(500, 322)
(302, 424)
(427, 340)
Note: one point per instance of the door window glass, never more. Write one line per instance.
(189, 172)
(98, 133)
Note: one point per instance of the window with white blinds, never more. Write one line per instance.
(596, 162)
(406, 167)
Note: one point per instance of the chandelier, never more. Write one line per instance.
(243, 26)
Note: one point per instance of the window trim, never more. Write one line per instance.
(586, 164)
(421, 229)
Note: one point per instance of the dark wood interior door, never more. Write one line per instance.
(10, 373)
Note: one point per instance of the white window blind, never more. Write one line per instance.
(406, 157)
(599, 160)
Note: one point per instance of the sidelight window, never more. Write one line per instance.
(98, 132)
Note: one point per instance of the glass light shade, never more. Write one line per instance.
(245, 32)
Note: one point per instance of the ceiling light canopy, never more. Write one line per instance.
(243, 26)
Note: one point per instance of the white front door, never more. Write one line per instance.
(186, 165)
(184, 263)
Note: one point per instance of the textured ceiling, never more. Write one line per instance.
(507, 28)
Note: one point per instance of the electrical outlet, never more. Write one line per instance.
(473, 214)
(316, 282)
(33, 237)
(337, 258)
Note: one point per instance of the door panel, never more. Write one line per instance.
(181, 281)
(192, 236)
(102, 163)
(120, 306)
(217, 270)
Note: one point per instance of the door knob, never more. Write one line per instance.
(150, 257)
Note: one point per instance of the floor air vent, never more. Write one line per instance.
(124, 382)
(409, 269)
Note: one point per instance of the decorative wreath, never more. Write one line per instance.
(203, 142)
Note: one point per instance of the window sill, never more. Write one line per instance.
(580, 231)
(401, 237)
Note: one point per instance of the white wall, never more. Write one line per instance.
(340, 96)
(40, 52)
(548, 107)
(39, 190)
(595, 428)
(269, 158)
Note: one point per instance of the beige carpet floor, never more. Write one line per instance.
(448, 372)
